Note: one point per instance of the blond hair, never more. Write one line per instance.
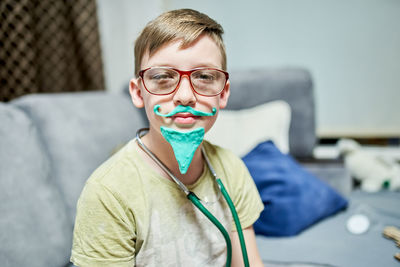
(184, 24)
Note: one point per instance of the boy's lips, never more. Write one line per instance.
(184, 118)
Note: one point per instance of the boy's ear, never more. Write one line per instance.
(136, 93)
(224, 96)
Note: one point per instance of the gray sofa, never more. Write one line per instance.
(50, 144)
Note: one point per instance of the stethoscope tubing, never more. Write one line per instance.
(232, 208)
(197, 203)
(237, 222)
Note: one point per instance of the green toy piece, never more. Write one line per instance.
(180, 109)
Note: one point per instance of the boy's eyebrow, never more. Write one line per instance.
(208, 65)
(201, 65)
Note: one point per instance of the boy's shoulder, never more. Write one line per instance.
(120, 166)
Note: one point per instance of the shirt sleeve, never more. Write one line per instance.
(104, 235)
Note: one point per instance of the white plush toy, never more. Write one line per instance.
(373, 172)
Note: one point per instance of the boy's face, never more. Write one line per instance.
(202, 53)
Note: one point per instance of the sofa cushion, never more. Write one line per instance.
(241, 130)
(80, 131)
(34, 228)
(294, 199)
(330, 243)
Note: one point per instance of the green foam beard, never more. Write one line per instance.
(184, 144)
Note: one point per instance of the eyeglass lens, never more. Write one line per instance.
(164, 80)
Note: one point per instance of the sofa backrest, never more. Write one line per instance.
(79, 132)
(250, 88)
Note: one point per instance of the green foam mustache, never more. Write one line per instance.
(180, 109)
(184, 144)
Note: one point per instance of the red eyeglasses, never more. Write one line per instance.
(165, 80)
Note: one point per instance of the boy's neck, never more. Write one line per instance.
(164, 152)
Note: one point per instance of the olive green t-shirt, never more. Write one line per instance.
(129, 215)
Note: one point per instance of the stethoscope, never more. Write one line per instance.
(197, 202)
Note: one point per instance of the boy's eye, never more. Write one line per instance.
(204, 76)
(161, 76)
(207, 76)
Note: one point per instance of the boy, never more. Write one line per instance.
(130, 212)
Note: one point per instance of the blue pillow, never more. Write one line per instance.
(293, 198)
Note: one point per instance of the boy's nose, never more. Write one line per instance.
(184, 94)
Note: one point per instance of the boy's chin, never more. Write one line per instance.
(184, 128)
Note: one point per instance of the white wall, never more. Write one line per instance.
(351, 47)
(120, 22)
